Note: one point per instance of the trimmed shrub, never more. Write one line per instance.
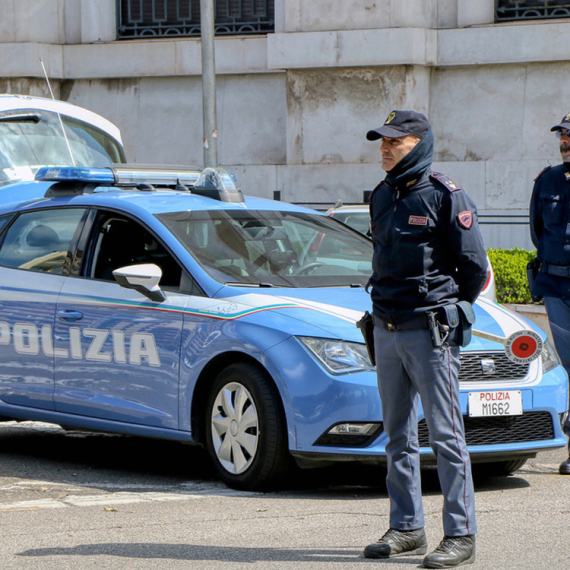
(509, 266)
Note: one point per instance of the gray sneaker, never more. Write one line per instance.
(452, 551)
(398, 543)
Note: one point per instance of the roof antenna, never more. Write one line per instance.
(58, 115)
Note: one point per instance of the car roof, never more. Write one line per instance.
(163, 201)
(9, 102)
(53, 189)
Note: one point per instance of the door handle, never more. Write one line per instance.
(69, 315)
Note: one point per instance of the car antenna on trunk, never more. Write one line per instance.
(58, 115)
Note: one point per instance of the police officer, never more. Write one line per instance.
(550, 232)
(428, 256)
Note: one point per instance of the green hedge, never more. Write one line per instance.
(509, 266)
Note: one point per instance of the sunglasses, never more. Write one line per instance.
(561, 132)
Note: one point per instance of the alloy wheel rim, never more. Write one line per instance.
(235, 428)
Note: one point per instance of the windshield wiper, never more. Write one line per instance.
(242, 284)
(21, 118)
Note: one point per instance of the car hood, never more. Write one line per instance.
(333, 313)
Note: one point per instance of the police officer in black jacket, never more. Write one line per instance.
(429, 259)
(550, 232)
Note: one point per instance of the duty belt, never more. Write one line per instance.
(558, 270)
(416, 322)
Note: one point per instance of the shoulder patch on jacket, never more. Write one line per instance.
(465, 219)
(542, 172)
(445, 180)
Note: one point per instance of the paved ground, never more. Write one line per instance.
(84, 501)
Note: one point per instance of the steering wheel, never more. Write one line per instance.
(309, 267)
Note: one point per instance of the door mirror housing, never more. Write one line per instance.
(144, 278)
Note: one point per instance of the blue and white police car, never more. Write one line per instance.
(163, 302)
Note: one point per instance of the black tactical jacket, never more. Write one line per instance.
(550, 230)
(428, 251)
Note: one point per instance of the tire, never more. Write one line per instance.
(501, 468)
(245, 429)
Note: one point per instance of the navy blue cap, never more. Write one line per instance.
(400, 124)
(564, 123)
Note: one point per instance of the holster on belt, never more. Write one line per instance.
(453, 322)
(532, 269)
(366, 326)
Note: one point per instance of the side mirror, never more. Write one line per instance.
(143, 278)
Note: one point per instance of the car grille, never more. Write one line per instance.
(501, 369)
(531, 426)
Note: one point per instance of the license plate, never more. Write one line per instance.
(495, 403)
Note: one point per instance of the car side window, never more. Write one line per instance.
(41, 240)
(4, 221)
(120, 242)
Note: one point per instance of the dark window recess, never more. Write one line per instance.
(175, 18)
(510, 10)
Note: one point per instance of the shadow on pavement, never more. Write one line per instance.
(84, 458)
(201, 552)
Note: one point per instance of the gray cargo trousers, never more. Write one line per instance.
(410, 368)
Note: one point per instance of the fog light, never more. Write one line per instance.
(350, 434)
(352, 429)
(563, 418)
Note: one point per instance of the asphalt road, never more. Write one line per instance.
(94, 501)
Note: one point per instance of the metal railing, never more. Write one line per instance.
(175, 18)
(510, 10)
(484, 219)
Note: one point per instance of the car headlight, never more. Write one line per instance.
(549, 356)
(337, 356)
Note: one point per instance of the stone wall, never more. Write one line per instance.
(294, 106)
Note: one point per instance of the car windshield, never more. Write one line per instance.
(281, 249)
(360, 221)
(31, 139)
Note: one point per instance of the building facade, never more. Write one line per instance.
(294, 104)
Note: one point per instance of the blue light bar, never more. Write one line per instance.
(219, 184)
(133, 174)
(75, 174)
(214, 183)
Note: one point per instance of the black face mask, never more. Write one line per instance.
(414, 164)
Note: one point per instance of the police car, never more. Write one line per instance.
(163, 302)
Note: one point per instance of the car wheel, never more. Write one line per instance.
(245, 429)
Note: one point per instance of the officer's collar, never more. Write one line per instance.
(405, 186)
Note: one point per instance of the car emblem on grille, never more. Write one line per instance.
(488, 366)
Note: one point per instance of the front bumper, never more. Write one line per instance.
(317, 401)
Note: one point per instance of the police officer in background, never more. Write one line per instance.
(429, 258)
(550, 232)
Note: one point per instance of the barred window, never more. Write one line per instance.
(172, 18)
(509, 10)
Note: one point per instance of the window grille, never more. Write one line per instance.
(175, 18)
(510, 10)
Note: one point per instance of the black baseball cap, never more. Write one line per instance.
(400, 124)
(564, 123)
